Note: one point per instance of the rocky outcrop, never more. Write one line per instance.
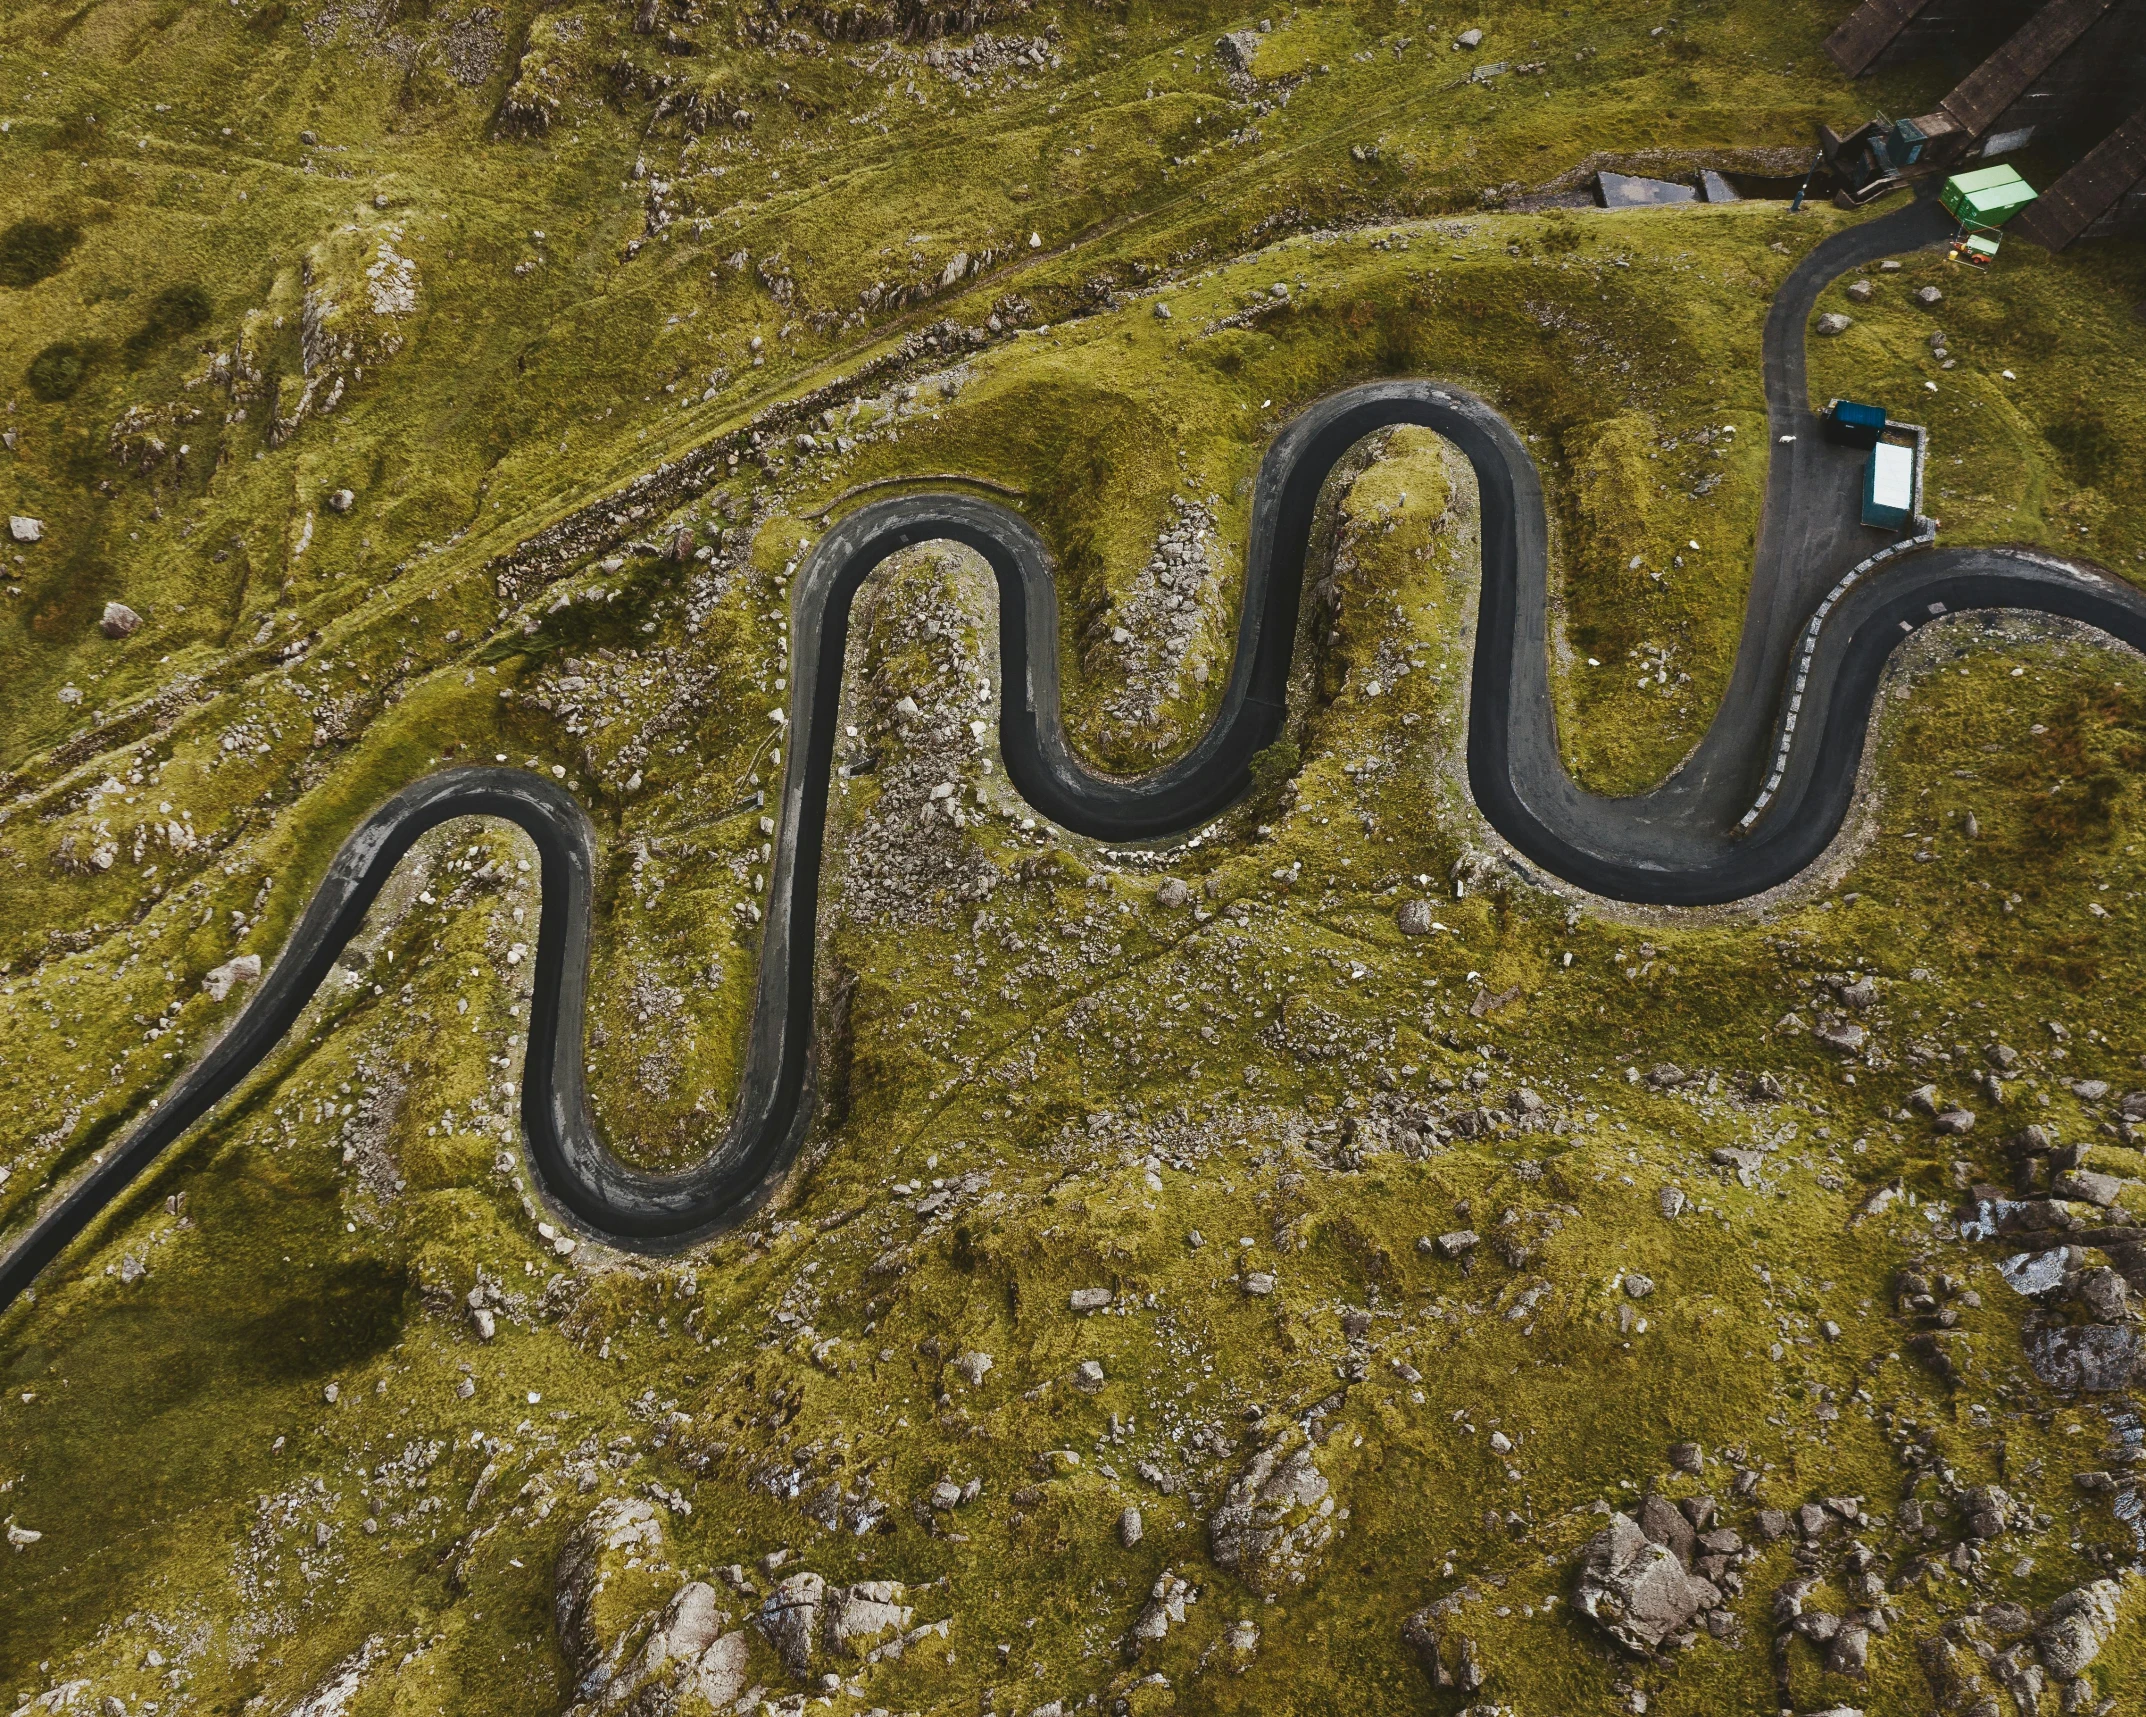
(1638, 1591)
(360, 289)
(610, 1575)
(595, 1601)
(2095, 1358)
(1275, 1518)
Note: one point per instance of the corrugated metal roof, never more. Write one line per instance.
(2093, 187)
(1869, 31)
(2000, 80)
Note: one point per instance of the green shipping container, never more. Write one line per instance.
(1987, 198)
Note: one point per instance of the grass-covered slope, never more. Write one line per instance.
(321, 1412)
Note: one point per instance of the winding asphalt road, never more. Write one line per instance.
(1684, 843)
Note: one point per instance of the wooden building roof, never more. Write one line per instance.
(2092, 189)
(1986, 92)
(1869, 30)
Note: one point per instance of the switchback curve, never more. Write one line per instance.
(1667, 847)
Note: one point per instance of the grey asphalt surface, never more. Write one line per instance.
(1677, 845)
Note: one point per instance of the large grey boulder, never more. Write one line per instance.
(2096, 1358)
(790, 1620)
(867, 1614)
(1636, 1590)
(2078, 1625)
(239, 969)
(690, 1624)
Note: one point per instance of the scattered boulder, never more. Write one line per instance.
(241, 969)
(25, 530)
(342, 500)
(1637, 1591)
(1636, 1286)
(1130, 1527)
(1165, 1608)
(1088, 1377)
(1954, 1121)
(1238, 49)
(1985, 1510)
(1172, 894)
(1468, 39)
(1671, 1201)
(865, 1615)
(1414, 918)
(1458, 1243)
(2078, 1625)
(2088, 1187)
(1090, 1299)
(1848, 1039)
(1687, 1457)
(972, 1367)
(2105, 1294)
(1666, 1075)
(119, 621)
(1274, 1518)
(1862, 291)
(1929, 295)
(1835, 322)
(1240, 1646)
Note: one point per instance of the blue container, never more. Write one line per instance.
(1889, 487)
(1848, 423)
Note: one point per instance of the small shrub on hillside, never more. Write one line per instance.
(57, 371)
(174, 311)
